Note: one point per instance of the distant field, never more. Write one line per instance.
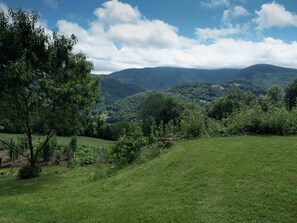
(232, 179)
(81, 140)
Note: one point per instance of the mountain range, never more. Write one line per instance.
(165, 77)
(124, 90)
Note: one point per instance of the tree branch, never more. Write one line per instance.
(14, 149)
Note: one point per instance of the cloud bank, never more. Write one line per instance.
(121, 37)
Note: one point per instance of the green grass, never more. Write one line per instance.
(236, 179)
(81, 140)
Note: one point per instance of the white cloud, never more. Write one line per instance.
(146, 33)
(211, 34)
(3, 7)
(51, 3)
(234, 12)
(115, 12)
(274, 15)
(211, 4)
(121, 37)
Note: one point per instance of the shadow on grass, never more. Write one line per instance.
(10, 186)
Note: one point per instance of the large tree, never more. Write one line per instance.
(43, 82)
(291, 95)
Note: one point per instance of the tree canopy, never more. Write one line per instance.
(43, 83)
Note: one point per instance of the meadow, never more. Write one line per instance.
(230, 179)
(64, 140)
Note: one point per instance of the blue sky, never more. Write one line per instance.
(118, 34)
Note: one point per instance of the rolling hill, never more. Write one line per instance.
(165, 77)
(229, 179)
(265, 75)
(114, 89)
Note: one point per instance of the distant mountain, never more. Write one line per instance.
(265, 75)
(165, 77)
(114, 90)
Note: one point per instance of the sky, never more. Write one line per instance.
(121, 34)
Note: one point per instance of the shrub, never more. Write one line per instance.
(48, 149)
(246, 121)
(192, 123)
(214, 127)
(128, 147)
(27, 172)
(277, 121)
(84, 155)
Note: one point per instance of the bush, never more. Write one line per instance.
(84, 155)
(48, 150)
(128, 147)
(214, 127)
(192, 123)
(28, 172)
(246, 121)
(275, 121)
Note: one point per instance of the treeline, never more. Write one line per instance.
(164, 120)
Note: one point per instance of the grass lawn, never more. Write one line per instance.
(81, 140)
(234, 179)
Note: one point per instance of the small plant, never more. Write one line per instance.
(28, 172)
(84, 155)
(49, 149)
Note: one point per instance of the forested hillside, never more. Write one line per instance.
(165, 77)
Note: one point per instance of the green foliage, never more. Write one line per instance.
(49, 149)
(224, 106)
(276, 121)
(128, 147)
(117, 129)
(70, 150)
(193, 123)
(160, 110)
(43, 83)
(274, 94)
(84, 155)
(28, 172)
(291, 95)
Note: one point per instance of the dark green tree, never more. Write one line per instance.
(274, 94)
(42, 82)
(291, 95)
(158, 109)
(224, 106)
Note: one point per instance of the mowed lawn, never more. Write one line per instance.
(81, 140)
(232, 179)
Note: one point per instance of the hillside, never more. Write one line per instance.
(203, 93)
(165, 77)
(230, 179)
(200, 93)
(265, 75)
(114, 90)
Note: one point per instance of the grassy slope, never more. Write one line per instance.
(81, 140)
(238, 179)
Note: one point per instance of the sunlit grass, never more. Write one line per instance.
(236, 179)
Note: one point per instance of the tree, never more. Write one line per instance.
(291, 95)
(274, 94)
(158, 109)
(43, 83)
(224, 106)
